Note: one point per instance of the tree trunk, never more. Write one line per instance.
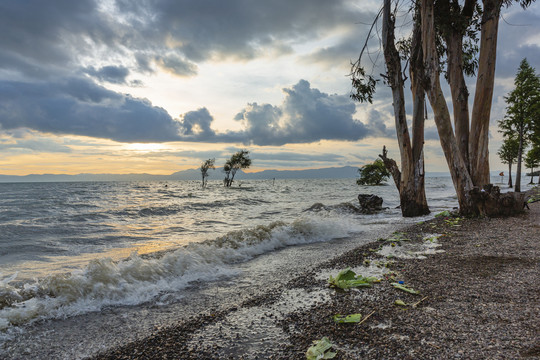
(517, 187)
(411, 179)
(458, 170)
(510, 174)
(460, 94)
(479, 132)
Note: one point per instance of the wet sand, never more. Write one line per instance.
(479, 299)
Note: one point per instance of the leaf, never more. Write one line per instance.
(400, 302)
(404, 288)
(352, 318)
(347, 278)
(320, 350)
(445, 213)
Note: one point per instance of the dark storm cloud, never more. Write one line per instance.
(56, 34)
(79, 107)
(235, 28)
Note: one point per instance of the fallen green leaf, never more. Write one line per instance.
(352, 318)
(404, 288)
(347, 278)
(400, 302)
(445, 213)
(320, 350)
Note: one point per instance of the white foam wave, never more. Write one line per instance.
(139, 279)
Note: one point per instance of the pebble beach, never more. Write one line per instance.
(478, 298)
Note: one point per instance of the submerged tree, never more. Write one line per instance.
(522, 111)
(448, 35)
(373, 174)
(508, 153)
(205, 166)
(239, 160)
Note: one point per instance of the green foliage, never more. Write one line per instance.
(508, 153)
(373, 174)
(363, 84)
(523, 110)
(532, 160)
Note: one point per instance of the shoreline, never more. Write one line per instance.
(480, 300)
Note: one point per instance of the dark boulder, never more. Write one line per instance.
(370, 204)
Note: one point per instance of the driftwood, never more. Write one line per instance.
(489, 201)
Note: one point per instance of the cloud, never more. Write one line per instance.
(112, 74)
(176, 65)
(25, 141)
(79, 107)
(195, 125)
(306, 115)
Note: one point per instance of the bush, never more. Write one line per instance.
(373, 174)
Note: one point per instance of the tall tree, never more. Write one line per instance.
(522, 111)
(448, 33)
(409, 180)
(508, 153)
(205, 166)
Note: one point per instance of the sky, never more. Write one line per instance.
(140, 86)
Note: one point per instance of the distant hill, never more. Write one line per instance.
(192, 174)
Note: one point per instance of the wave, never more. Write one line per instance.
(159, 278)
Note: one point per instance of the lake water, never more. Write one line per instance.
(89, 265)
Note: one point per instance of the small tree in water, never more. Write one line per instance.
(239, 160)
(205, 166)
(373, 174)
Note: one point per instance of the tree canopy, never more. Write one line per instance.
(522, 112)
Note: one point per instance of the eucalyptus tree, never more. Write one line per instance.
(455, 39)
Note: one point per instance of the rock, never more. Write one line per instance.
(370, 204)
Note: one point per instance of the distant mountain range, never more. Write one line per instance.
(345, 172)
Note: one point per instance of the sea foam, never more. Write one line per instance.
(155, 278)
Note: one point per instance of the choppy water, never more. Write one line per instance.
(76, 258)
